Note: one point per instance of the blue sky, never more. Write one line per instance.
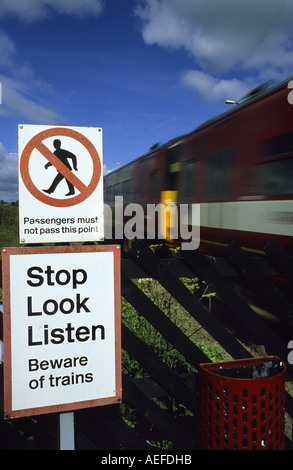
(144, 70)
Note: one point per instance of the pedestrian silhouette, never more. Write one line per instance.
(63, 156)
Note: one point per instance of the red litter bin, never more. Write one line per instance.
(241, 404)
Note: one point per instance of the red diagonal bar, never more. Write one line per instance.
(66, 172)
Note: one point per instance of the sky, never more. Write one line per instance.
(145, 71)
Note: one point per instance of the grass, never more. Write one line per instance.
(8, 225)
(165, 351)
(176, 313)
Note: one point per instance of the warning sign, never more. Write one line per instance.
(62, 332)
(60, 184)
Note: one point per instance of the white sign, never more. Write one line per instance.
(60, 184)
(62, 346)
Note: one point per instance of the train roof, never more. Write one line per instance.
(251, 97)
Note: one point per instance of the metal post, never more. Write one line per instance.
(66, 426)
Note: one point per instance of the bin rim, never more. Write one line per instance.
(213, 367)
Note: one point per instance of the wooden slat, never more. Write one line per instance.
(164, 376)
(156, 268)
(105, 431)
(222, 266)
(164, 422)
(279, 258)
(164, 325)
(264, 286)
(154, 390)
(133, 271)
(245, 315)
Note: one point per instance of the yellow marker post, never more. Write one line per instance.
(168, 221)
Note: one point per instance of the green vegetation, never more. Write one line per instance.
(8, 224)
(165, 351)
(8, 227)
(175, 312)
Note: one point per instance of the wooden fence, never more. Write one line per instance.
(159, 406)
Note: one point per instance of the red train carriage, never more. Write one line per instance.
(238, 166)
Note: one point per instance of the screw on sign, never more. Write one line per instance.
(59, 159)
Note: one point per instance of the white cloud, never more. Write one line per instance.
(21, 96)
(7, 50)
(250, 36)
(33, 10)
(213, 89)
(24, 96)
(16, 100)
(8, 175)
(107, 170)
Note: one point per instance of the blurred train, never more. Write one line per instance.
(238, 166)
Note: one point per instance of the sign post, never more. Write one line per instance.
(62, 331)
(66, 427)
(60, 184)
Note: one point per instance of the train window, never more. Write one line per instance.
(126, 191)
(140, 188)
(173, 162)
(155, 190)
(117, 190)
(174, 153)
(219, 175)
(109, 195)
(188, 181)
(275, 178)
(279, 145)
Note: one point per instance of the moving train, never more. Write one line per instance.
(238, 166)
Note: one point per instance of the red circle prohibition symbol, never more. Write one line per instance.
(37, 143)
